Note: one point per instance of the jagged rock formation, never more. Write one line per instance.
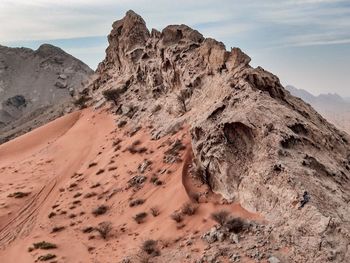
(255, 143)
(36, 86)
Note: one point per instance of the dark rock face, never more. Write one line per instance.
(255, 142)
(17, 101)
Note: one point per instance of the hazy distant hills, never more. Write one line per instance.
(332, 106)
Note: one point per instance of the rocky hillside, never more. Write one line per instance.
(333, 107)
(252, 141)
(187, 154)
(36, 86)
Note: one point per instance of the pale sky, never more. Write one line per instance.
(304, 42)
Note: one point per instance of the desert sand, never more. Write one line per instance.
(51, 163)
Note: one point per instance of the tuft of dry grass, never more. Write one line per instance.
(100, 171)
(44, 245)
(235, 224)
(46, 257)
(87, 229)
(155, 211)
(92, 164)
(52, 214)
(100, 210)
(136, 202)
(57, 229)
(140, 217)
(104, 229)
(90, 194)
(189, 209)
(220, 216)
(19, 194)
(150, 247)
(177, 217)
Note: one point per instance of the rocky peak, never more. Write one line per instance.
(132, 47)
(46, 50)
(253, 141)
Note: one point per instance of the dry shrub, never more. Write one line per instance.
(44, 245)
(235, 224)
(189, 209)
(155, 211)
(136, 202)
(177, 217)
(150, 247)
(100, 171)
(220, 216)
(87, 229)
(52, 214)
(140, 217)
(92, 165)
(19, 194)
(90, 194)
(46, 257)
(57, 229)
(112, 95)
(81, 101)
(100, 210)
(104, 229)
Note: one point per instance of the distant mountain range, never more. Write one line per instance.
(333, 107)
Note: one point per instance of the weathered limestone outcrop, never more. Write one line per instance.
(255, 142)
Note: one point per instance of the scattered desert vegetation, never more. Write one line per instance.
(112, 95)
(154, 211)
(155, 180)
(177, 217)
(136, 202)
(150, 247)
(100, 210)
(77, 195)
(90, 194)
(19, 194)
(81, 101)
(52, 214)
(235, 224)
(189, 209)
(87, 229)
(57, 229)
(220, 217)
(46, 257)
(140, 217)
(92, 164)
(136, 148)
(137, 180)
(100, 171)
(44, 245)
(104, 229)
(172, 154)
(95, 185)
(112, 168)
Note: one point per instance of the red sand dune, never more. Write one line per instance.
(52, 164)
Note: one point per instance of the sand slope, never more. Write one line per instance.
(52, 164)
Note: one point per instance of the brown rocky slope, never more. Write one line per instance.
(36, 86)
(254, 142)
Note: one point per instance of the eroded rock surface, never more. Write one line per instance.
(255, 142)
